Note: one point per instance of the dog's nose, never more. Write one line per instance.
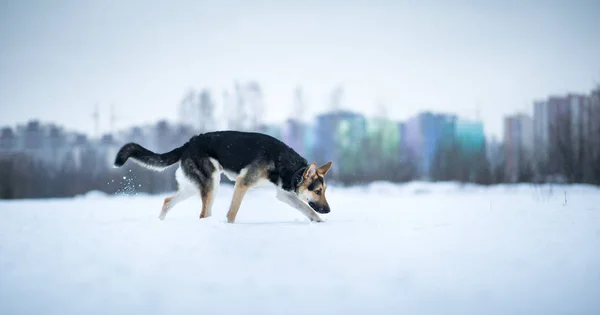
(319, 208)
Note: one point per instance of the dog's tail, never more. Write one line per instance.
(147, 158)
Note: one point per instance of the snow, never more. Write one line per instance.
(417, 248)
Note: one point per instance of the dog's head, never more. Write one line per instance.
(312, 188)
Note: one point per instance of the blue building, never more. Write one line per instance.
(293, 133)
(425, 134)
(326, 128)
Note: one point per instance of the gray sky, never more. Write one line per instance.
(59, 58)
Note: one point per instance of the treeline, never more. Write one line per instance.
(22, 176)
(87, 166)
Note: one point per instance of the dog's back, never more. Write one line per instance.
(236, 150)
(233, 151)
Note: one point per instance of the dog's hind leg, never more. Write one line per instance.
(183, 194)
(186, 190)
(204, 173)
(208, 192)
(207, 200)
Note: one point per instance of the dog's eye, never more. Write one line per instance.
(318, 192)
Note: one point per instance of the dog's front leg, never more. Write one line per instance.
(294, 202)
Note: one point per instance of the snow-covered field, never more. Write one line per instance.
(411, 249)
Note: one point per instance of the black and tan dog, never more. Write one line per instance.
(249, 159)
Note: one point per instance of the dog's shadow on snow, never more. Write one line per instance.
(285, 223)
(275, 223)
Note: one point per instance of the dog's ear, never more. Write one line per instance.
(323, 169)
(310, 171)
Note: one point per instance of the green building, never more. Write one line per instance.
(469, 137)
(349, 139)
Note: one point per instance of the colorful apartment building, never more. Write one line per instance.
(518, 144)
(426, 133)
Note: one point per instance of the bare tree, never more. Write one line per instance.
(255, 105)
(229, 113)
(239, 114)
(206, 111)
(381, 111)
(337, 98)
(299, 104)
(188, 108)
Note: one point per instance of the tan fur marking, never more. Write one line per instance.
(165, 203)
(240, 191)
(207, 201)
(263, 173)
(307, 183)
(238, 194)
(165, 207)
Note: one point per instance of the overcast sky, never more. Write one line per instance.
(59, 58)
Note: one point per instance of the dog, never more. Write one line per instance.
(250, 159)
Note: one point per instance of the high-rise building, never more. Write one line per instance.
(272, 130)
(494, 152)
(541, 131)
(578, 120)
(425, 133)
(560, 130)
(326, 144)
(469, 136)
(350, 134)
(518, 145)
(8, 139)
(592, 126)
(293, 133)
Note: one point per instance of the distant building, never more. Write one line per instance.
(350, 133)
(494, 152)
(271, 130)
(425, 134)
(326, 143)
(33, 136)
(385, 132)
(578, 121)
(137, 135)
(8, 140)
(560, 125)
(592, 123)
(518, 144)
(401, 137)
(162, 134)
(55, 146)
(469, 136)
(541, 131)
(310, 139)
(292, 133)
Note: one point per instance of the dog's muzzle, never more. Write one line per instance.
(318, 208)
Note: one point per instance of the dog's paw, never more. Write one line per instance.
(317, 219)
